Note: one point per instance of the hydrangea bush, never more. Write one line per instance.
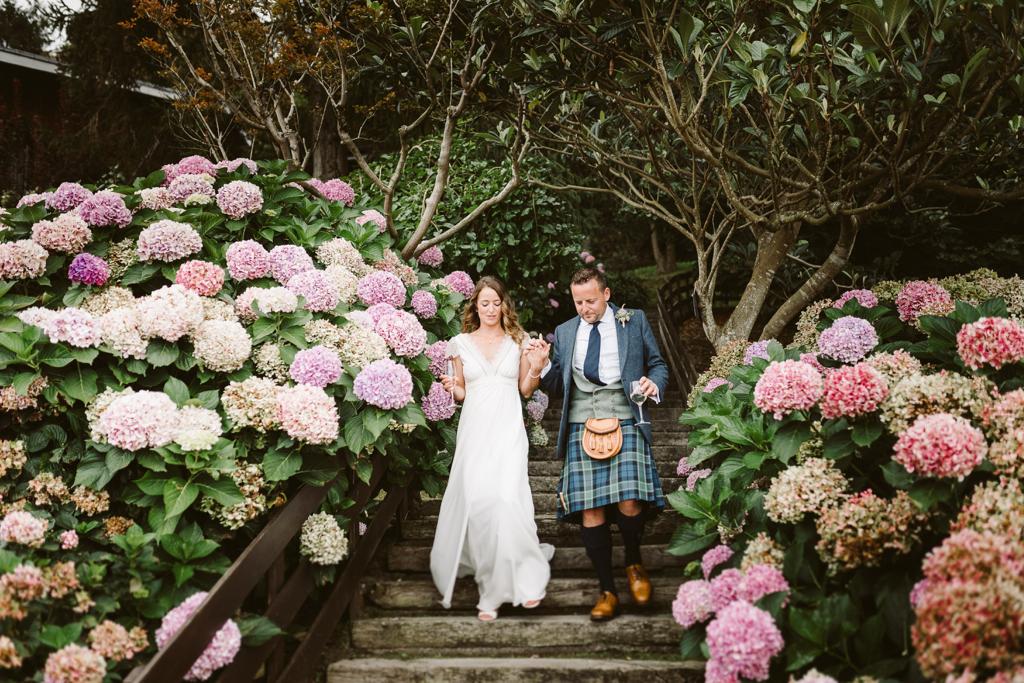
(876, 465)
(177, 357)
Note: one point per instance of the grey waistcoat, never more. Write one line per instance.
(589, 400)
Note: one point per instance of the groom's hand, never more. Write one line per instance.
(648, 387)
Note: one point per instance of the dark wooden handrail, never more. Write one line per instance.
(264, 558)
(676, 305)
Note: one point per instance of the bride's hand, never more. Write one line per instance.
(538, 355)
(448, 383)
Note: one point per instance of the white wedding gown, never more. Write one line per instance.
(486, 526)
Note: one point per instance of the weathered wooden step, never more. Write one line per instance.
(415, 557)
(406, 593)
(552, 634)
(550, 530)
(663, 449)
(513, 670)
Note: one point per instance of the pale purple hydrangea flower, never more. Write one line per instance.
(758, 349)
(438, 355)
(155, 198)
(381, 287)
(716, 382)
(335, 190)
(375, 216)
(247, 260)
(848, 340)
(432, 257)
(460, 281)
(695, 476)
(424, 304)
(684, 467)
(402, 332)
(714, 557)
(32, 199)
(316, 288)
(385, 384)
(318, 366)
(219, 653)
(168, 240)
(87, 269)
(865, 297)
(438, 404)
(190, 165)
(67, 196)
(233, 165)
(105, 208)
(188, 185)
(537, 406)
(239, 198)
(287, 261)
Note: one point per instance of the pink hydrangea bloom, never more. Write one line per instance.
(812, 360)
(385, 384)
(424, 304)
(188, 185)
(141, 419)
(170, 313)
(460, 281)
(683, 467)
(222, 648)
(853, 390)
(318, 366)
(193, 165)
(316, 288)
(239, 198)
(761, 580)
(865, 297)
(941, 445)
(168, 240)
(32, 199)
(335, 190)
(553, 303)
(989, 341)
(155, 198)
(67, 233)
(787, 386)
(742, 640)
(24, 528)
(714, 557)
(716, 382)
(692, 604)
(233, 165)
(758, 349)
(68, 540)
(402, 332)
(74, 664)
(537, 406)
(105, 208)
(202, 277)
(381, 287)
(587, 257)
(287, 261)
(438, 404)
(87, 269)
(438, 355)
(22, 260)
(919, 297)
(308, 414)
(375, 216)
(67, 196)
(247, 260)
(432, 257)
(695, 476)
(848, 339)
(72, 326)
(725, 588)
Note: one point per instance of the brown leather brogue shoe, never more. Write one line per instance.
(639, 584)
(607, 607)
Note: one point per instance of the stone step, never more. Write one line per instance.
(545, 498)
(553, 468)
(550, 530)
(513, 670)
(415, 557)
(665, 448)
(404, 593)
(547, 634)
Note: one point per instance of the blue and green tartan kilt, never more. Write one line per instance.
(586, 483)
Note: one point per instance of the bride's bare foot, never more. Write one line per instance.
(530, 604)
(487, 615)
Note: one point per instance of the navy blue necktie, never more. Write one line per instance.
(592, 362)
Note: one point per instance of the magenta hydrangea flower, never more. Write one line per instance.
(335, 190)
(758, 349)
(853, 390)
(438, 404)
(375, 216)
(318, 366)
(989, 341)
(941, 445)
(720, 554)
(308, 414)
(385, 384)
(202, 277)
(233, 165)
(105, 208)
(219, 653)
(788, 386)
(87, 269)
(725, 588)
(865, 297)
(168, 240)
(381, 287)
(239, 198)
(316, 288)
(848, 339)
(438, 355)
(248, 260)
(402, 332)
(424, 304)
(716, 382)
(692, 604)
(287, 261)
(432, 257)
(742, 640)
(67, 196)
(460, 281)
(761, 580)
(918, 297)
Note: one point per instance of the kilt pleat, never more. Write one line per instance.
(586, 483)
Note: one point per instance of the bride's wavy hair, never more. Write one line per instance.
(509, 317)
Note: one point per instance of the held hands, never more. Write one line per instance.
(537, 352)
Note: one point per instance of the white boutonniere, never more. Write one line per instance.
(623, 315)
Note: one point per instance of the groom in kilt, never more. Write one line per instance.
(596, 357)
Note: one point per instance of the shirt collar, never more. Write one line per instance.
(609, 315)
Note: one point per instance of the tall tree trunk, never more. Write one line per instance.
(664, 252)
(772, 248)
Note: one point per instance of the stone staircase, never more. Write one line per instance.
(401, 633)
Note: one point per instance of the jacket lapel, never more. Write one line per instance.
(623, 339)
(570, 359)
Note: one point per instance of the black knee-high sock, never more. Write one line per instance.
(632, 529)
(598, 542)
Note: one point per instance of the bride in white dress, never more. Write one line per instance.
(486, 526)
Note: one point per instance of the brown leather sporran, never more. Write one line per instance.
(602, 437)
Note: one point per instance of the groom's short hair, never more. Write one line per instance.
(585, 275)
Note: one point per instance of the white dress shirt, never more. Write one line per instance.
(608, 365)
